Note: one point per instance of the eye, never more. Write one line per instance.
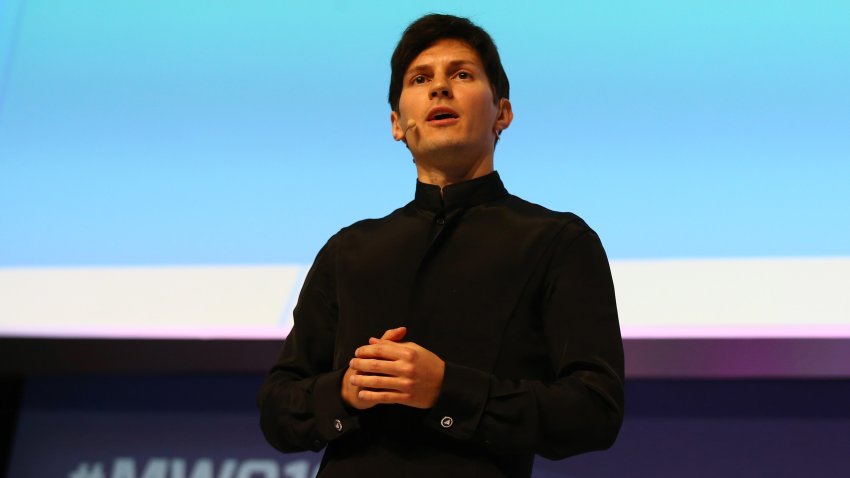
(463, 75)
(418, 79)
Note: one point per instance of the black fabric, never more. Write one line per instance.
(516, 299)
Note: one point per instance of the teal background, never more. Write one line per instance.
(190, 132)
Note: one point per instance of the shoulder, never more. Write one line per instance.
(373, 225)
(374, 231)
(567, 224)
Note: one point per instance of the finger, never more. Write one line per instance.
(395, 334)
(386, 350)
(378, 382)
(374, 396)
(383, 367)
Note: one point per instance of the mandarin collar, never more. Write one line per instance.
(467, 194)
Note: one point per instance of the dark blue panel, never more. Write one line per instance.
(207, 426)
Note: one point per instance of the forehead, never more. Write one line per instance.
(444, 51)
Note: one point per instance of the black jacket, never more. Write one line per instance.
(515, 298)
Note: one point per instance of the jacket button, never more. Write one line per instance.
(447, 422)
(338, 425)
(441, 221)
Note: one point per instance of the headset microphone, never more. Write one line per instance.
(410, 125)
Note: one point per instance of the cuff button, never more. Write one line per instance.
(338, 425)
(447, 422)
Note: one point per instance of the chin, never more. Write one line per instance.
(446, 145)
(444, 151)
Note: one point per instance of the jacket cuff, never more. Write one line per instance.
(460, 404)
(333, 419)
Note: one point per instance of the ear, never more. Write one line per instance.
(398, 132)
(505, 116)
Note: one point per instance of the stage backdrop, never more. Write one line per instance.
(207, 427)
(170, 169)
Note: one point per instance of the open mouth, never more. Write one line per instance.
(440, 114)
(443, 116)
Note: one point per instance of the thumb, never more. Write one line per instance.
(395, 334)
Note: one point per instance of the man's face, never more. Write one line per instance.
(447, 93)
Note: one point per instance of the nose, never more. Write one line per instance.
(440, 88)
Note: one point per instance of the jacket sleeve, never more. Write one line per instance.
(581, 408)
(300, 403)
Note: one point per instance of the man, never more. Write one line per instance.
(466, 331)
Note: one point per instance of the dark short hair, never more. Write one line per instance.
(432, 28)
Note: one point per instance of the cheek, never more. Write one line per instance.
(486, 110)
(406, 103)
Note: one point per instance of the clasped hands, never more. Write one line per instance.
(390, 371)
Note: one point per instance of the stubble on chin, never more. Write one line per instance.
(441, 153)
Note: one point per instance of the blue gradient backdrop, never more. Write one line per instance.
(211, 132)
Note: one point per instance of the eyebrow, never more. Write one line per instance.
(451, 65)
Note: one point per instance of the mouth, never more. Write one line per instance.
(442, 114)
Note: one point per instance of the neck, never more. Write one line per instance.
(446, 172)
